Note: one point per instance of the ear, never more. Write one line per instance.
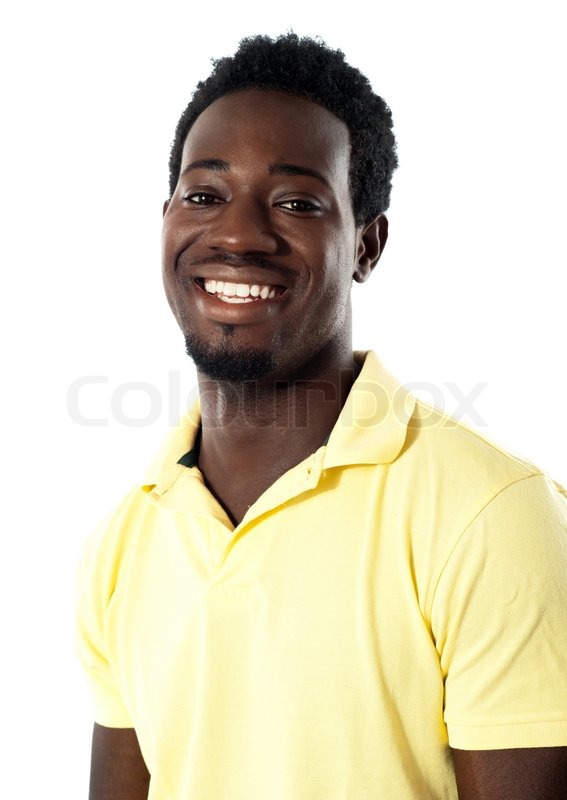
(370, 241)
(165, 207)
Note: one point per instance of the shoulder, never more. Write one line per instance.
(124, 529)
(461, 465)
(106, 545)
(464, 494)
(451, 441)
(432, 450)
(496, 520)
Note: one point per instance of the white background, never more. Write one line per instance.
(470, 289)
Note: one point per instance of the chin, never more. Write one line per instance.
(226, 363)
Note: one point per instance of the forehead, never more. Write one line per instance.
(255, 124)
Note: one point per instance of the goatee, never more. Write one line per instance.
(226, 363)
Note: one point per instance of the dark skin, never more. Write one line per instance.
(118, 770)
(302, 228)
(539, 773)
(242, 218)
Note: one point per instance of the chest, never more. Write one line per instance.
(325, 580)
(297, 633)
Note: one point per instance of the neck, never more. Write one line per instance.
(297, 406)
(258, 430)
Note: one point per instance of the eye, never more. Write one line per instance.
(200, 198)
(298, 205)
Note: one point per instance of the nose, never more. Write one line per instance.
(242, 225)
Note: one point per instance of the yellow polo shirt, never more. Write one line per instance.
(401, 590)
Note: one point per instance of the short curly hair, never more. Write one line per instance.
(308, 68)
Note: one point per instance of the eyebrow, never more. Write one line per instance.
(293, 169)
(279, 168)
(215, 164)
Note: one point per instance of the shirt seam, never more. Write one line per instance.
(561, 721)
(466, 529)
(517, 458)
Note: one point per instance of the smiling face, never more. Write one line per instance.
(259, 242)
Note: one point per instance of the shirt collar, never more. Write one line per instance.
(173, 458)
(371, 428)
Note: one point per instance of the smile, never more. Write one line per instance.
(229, 292)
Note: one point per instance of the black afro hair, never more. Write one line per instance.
(308, 68)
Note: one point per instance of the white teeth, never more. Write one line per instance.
(236, 299)
(239, 292)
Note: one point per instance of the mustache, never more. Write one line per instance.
(233, 260)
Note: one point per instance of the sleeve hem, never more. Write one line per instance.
(505, 737)
(113, 719)
(109, 710)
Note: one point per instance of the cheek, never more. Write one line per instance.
(167, 250)
(177, 235)
(338, 263)
(168, 272)
(171, 247)
(170, 295)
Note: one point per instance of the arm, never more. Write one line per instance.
(499, 621)
(519, 774)
(118, 771)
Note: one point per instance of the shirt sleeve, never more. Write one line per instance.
(499, 618)
(96, 577)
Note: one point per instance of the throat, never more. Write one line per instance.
(251, 436)
(237, 485)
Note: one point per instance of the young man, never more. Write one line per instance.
(325, 589)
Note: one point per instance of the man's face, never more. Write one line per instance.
(259, 240)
